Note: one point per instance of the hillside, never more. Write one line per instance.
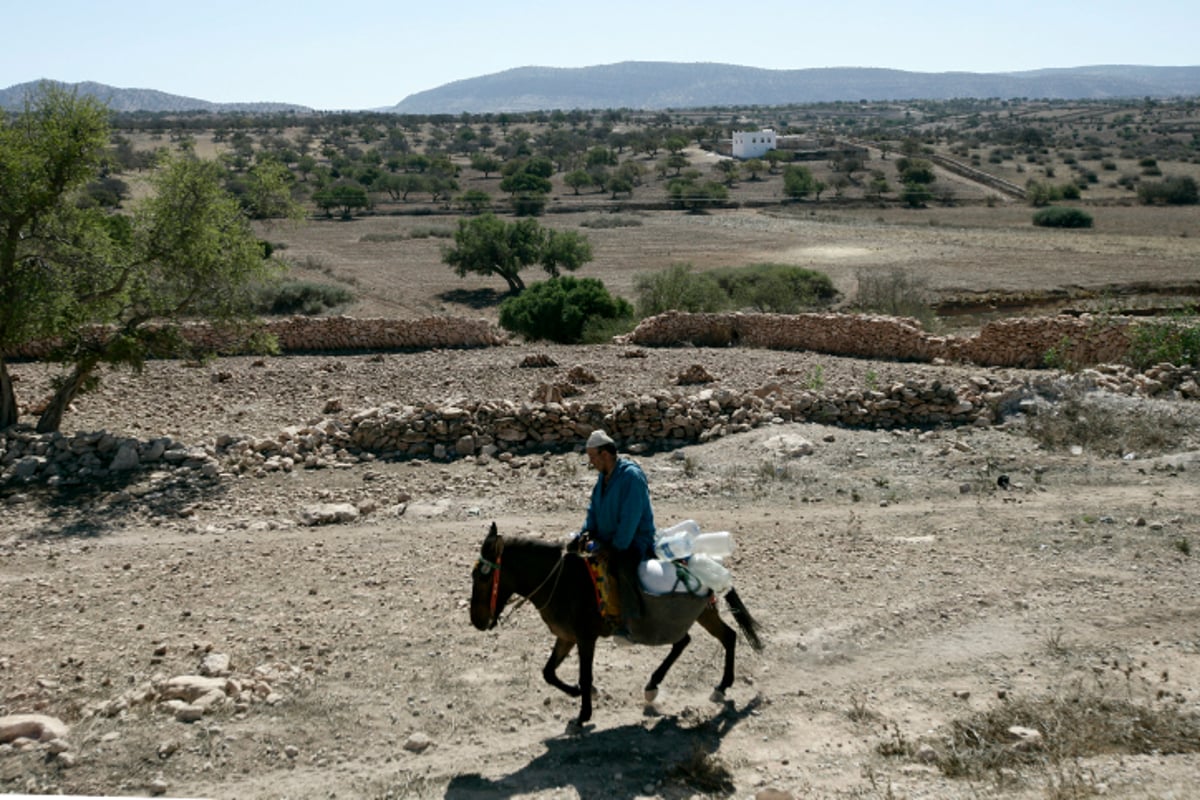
(121, 100)
(662, 85)
(659, 85)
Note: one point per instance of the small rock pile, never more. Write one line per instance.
(188, 698)
(1158, 381)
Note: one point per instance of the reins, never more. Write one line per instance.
(494, 568)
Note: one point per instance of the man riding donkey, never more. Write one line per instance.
(621, 521)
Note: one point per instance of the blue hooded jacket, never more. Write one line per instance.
(619, 514)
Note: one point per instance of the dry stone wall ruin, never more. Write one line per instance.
(665, 419)
(1017, 342)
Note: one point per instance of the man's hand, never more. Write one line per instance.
(580, 542)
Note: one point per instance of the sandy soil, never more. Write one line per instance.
(899, 588)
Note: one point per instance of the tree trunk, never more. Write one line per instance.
(515, 284)
(8, 398)
(51, 418)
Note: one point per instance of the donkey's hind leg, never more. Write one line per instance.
(657, 677)
(711, 621)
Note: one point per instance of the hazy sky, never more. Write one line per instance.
(374, 53)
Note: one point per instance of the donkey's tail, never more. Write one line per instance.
(741, 615)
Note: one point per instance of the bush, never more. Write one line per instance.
(1176, 191)
(897, 293)
(1062, 217)
(560, 308)
(775, 288)
(677, 288)
(302, 297)
(611, 221)
(1175, 341)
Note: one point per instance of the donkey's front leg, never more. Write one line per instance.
(562, 648)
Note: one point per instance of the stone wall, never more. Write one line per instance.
(1017, 342)
(334, 334)
(502, 428)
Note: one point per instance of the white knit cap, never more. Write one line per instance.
(598, 439)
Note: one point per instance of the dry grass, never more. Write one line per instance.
(703, 771)
(1076, 724)
(1107, 425)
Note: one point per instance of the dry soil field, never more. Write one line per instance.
(903, 588)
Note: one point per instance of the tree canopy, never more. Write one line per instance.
(108, 286)
(487, 245)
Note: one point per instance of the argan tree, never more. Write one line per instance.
(109, 288)
(487, 245)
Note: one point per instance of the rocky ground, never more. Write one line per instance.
(902, 586)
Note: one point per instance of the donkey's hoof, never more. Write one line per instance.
(577, 728)
(651, 695)
(718, 696)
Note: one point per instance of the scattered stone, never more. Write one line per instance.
(189, 713)
(328, 514)
(695, 374)
(56, 746)
(579, 375)
(190, 687)
(1025, 739)
(772, 794)
(38, 727)
(537, 361)
(926, 754)
(417, 743)
(158, 786)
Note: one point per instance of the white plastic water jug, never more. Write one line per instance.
(657, 576)
(675, 542)
(710, 573)
(717, 544)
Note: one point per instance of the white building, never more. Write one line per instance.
(753, 144)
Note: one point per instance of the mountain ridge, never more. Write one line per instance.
(657, 85)
(152, 100)
(649, 85)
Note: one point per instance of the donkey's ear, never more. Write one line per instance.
(493, 533)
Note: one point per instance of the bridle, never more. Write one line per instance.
(485, 567)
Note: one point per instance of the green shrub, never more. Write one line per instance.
(775, 288)
(600, 330)
(1062, 217)
(431, 232)
(1176, 341)
(1175, 191)
(302, 297)
(558, 309)
(678, 288)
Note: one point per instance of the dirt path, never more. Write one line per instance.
(898, 587)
